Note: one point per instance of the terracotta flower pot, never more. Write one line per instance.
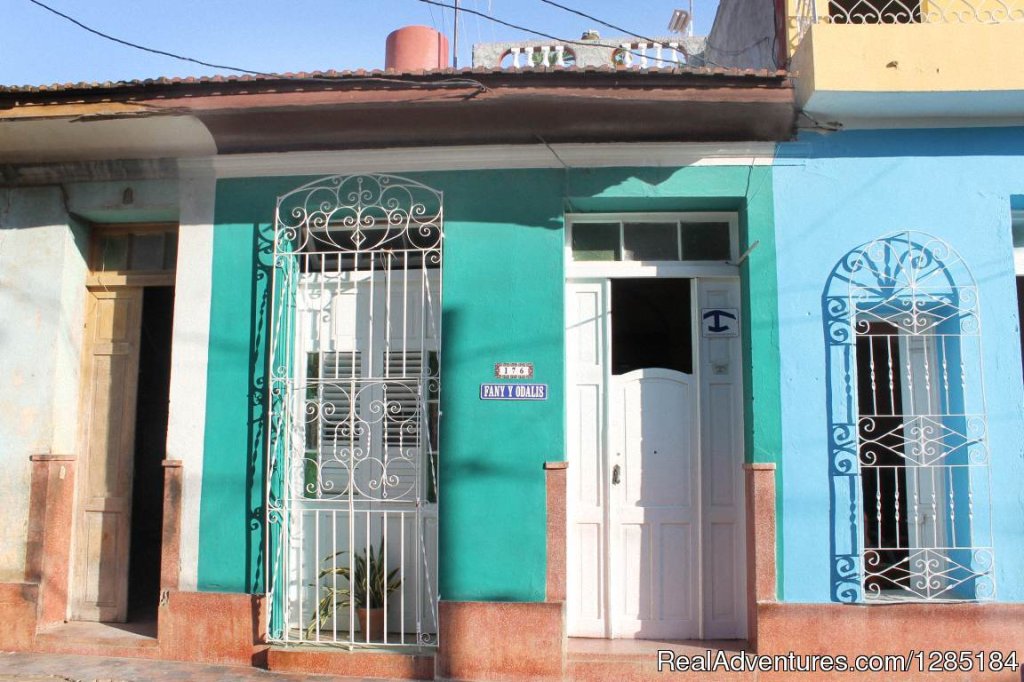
(376, 626)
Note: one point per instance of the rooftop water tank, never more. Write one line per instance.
(416, 48)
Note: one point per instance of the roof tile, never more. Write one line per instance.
(98, 88)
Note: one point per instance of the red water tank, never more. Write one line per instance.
(416, 48)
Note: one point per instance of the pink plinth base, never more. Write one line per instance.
(206, 627)
(854, 629)
(501, 641)
(49, 534)
(212, 627)
(555, 473)
(372, 664)
(18, 603)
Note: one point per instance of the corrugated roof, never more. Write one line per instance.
(399, 78)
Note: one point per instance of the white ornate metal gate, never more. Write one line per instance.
(354, 392)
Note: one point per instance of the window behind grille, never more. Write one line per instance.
(881, 430)
(392, 419)
(340, 377)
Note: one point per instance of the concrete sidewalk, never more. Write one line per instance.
(30, 667)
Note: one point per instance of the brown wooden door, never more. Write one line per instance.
(103, 517)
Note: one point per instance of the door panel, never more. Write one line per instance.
(723, 527)
(661, 552)
(586, 544)
(676, 540)
(109, 381)
(653, 436)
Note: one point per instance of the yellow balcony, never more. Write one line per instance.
(877, 60)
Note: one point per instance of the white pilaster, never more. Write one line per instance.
(190, 352)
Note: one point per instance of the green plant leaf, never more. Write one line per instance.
(367, 580)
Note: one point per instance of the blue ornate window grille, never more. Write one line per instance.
(909, 456)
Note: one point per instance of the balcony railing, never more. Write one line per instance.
(911, 11)
(642, 55)
(669, 52)
(534, 56)
(810, 12)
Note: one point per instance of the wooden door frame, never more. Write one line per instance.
(116, 281)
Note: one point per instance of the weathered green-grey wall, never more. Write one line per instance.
(503, 301)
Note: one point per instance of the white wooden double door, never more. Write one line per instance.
(656, 542)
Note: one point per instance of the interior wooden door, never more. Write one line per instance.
(103, 514)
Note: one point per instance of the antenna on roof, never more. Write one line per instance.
(455, 42)
(680, 21)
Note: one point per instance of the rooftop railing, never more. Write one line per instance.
(810, 12)
(643, 55)
(670, 52)
(534, 56)
(912, 11)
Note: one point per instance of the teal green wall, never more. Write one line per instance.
(760, 299)
(503, 282)
(231, 512)
(503, 301)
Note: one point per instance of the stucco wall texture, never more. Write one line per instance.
(41, 275)
(503, 301)
(836, 192)
(43, 246)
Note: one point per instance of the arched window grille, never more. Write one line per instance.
(908, 435)
(354, 392)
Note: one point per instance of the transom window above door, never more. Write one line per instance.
(137, 254)
(136, 248)
(654, 237)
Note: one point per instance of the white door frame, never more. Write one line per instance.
(600, 274)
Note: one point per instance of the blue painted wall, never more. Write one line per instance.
(835, 192)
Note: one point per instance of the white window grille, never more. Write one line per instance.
(908, 425)
(922, 11)
(354, 392)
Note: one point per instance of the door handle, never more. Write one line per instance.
(616, 471)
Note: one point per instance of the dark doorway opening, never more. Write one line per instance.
(651, 325)
(1020, 314)
(150, 449)
(880, 428)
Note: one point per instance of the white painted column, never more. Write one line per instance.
(186, 427)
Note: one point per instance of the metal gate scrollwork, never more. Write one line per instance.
(908, 427)
(354, 395)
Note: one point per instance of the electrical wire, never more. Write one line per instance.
(447, 82)
(531, 31)
(479, 35)
(433, 19)
(708, 45)
(596, 20)
(705, 58)
(127, 43)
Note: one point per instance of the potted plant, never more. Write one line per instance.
(368, 582)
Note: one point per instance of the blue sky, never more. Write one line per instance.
(37, 47)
